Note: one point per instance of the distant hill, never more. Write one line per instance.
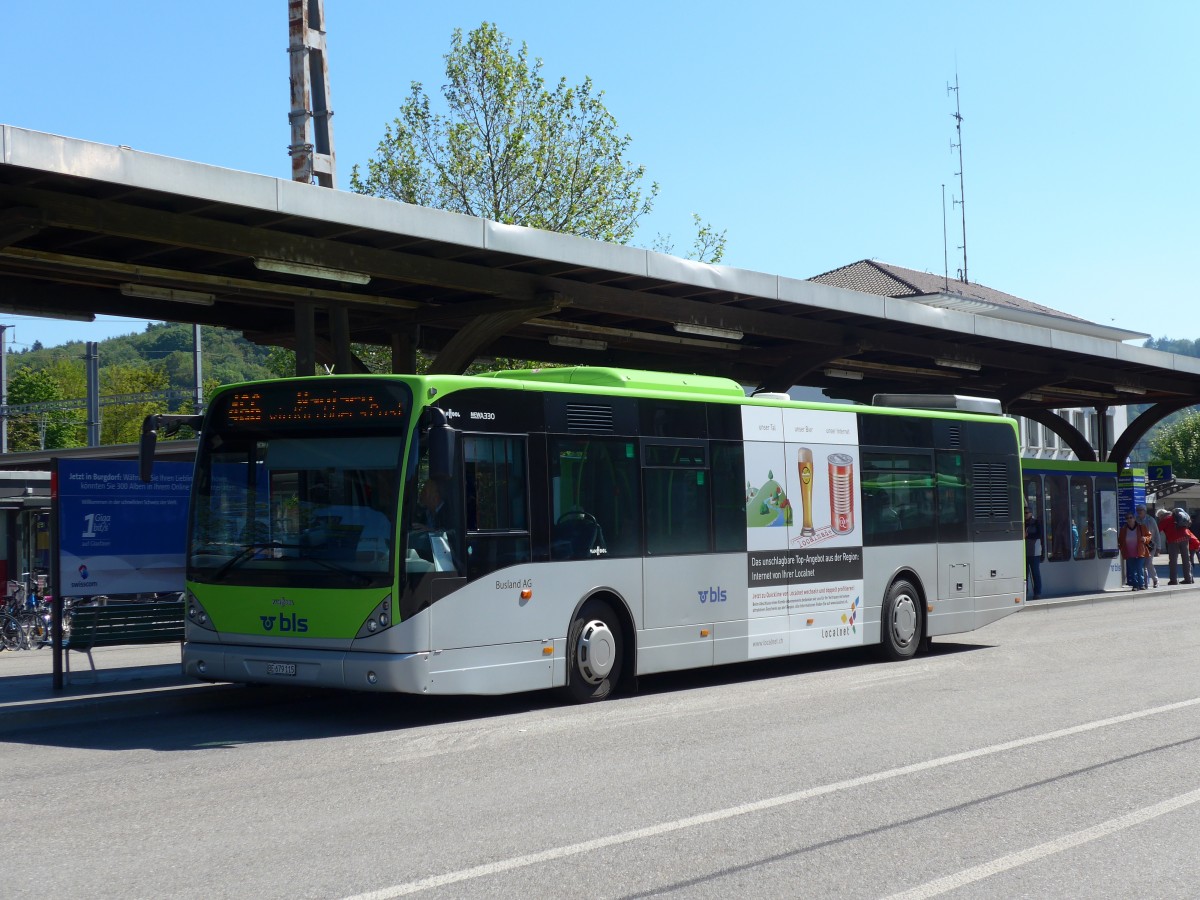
(51, 382)
(226, 356)
(1182, 346)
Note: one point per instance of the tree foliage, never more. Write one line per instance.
(510, 149)
(52, 429)
(121, 423)
(1181, 346)
(160, 358)
(378, 361)
(1178, 443)
(708, 246)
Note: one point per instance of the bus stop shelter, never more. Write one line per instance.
(89, 229)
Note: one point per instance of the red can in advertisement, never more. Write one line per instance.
(841, 492)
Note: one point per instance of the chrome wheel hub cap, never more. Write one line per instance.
(596, 651)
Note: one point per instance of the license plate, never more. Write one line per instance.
(281, 668)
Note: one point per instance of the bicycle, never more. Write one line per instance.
(12, 633)
(31, 613)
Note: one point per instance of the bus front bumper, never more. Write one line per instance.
(392, 672)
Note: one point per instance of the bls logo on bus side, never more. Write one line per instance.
(285, 623)
(713, 595)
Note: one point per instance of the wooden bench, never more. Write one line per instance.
(118, 624)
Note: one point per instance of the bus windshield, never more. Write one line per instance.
(289, 507)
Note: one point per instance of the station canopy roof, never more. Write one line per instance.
(90, 229)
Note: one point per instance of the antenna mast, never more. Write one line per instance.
(312, 131)
(962, 201)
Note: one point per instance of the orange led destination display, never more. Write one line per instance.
(286, 405)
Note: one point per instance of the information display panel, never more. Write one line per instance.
(117, 534)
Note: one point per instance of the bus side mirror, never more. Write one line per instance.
(150, 427)
(442, 444)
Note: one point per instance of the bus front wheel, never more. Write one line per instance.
(594, 645)
(900, 622)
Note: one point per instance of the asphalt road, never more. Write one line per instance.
(1056, 753)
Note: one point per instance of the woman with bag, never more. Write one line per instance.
(1134, 541)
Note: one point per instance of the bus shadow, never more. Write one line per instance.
(253, 714)
(786, 667)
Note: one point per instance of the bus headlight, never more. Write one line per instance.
(197, 614)
(380, 619)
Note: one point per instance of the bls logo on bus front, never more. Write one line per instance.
(713, 595)
(284, 622)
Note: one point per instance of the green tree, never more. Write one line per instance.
(69, 375)
(509, 148)
(50, 429)
(121, 423)
(1181, 346)
(708, 246)
(1178, 443)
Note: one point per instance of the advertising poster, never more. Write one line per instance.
(803, 531)
(118, 535)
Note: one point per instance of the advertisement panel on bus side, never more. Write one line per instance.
(803, 528)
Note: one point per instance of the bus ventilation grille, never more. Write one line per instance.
(955, 438)
(991, 491)
(593, 419)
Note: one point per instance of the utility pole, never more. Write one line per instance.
(92, 362)
(4, 388)
(312, 131)
(197, 374)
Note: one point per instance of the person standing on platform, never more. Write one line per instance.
(1134, 541)
(1152, 527)
(1177, 546)
(1033, 554)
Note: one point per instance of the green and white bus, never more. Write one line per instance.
(578, 527)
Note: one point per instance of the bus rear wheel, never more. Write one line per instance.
(595, 653)
(901, 622)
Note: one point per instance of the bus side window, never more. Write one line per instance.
(594, 480)
(728, 468)
(898, 498)
(1106, 508)
(951, 497)
(495, 479)
(1083, 536)
(676, 498)
(1033, 502)
(1058, 519)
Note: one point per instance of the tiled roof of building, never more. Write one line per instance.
(883, 279)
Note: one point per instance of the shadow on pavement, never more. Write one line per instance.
(200, 716)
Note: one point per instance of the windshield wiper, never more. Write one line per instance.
(248, 551)
(240, 557)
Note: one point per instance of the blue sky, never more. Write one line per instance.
(815, 134)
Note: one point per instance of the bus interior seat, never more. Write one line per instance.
(576, 536)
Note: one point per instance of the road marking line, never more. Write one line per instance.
(625, 837)
(1031, 854)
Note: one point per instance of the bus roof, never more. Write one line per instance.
(628, 379)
